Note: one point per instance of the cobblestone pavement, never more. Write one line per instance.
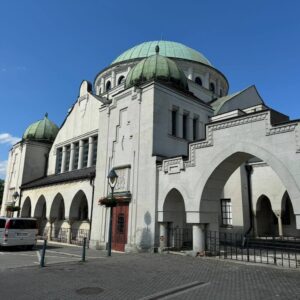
(150, 276)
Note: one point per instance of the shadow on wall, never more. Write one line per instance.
(146, 237)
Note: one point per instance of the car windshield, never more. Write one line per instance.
(2, 223)
(22, 224)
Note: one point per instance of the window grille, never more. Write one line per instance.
(58, 160)
(226, 210)
(95, 145)
(85, 153)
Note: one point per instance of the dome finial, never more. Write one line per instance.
(46, 115)
(157, 49)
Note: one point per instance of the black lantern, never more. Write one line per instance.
(112, 181)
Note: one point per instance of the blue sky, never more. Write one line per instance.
(48, 47)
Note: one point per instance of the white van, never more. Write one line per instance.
(18, 232)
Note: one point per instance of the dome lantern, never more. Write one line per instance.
(41, 131)
(157, 67)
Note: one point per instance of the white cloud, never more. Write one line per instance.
(6, 138)
(3, 166)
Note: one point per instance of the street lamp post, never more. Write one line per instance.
(112, 181)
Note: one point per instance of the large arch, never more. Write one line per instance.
(57, 217)
(266, 220)
(57, 211)
(26, 208)
(174, 208)
(224, 164)
(179, 233)
(40, 213)
(40, 208)
(287, 217)
(79, 207)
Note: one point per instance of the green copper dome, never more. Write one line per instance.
(156, 67)
(42, 130)
(168, 49)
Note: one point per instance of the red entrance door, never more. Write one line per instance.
(119, 226)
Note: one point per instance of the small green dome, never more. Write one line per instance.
(42, 130)
(167, 48)
(156, 67)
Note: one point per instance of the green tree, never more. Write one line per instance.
(1, 190)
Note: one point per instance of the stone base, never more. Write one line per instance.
(97, 245)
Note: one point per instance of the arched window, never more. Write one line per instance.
(108, 86)
(198, 80)
(121, 79)
(212, 87)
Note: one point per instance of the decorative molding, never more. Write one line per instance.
(173, 166)
(117, 98)
(209, 141)
(178, 164)
(240, 121)
(123, 183)
(281, 129)
(77, 138)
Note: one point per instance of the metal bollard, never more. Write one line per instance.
(42, 262)
(83, 249)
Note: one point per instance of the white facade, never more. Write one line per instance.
(177, 155)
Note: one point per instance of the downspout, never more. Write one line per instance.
(18, 214)
(46, 163)
(249, 169)
(92, 183)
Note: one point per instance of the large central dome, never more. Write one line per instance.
(168, 49)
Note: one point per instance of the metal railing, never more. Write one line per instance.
(280, 251)
(78, 235)
(180, 238)
(60, 235)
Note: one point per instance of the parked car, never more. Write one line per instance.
(18, 232)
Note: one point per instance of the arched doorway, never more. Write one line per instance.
(266, 220)
(78, 215)
(26, 208)
(57, 217)
(215, 177)
(40, 215)
(179, 233)
(288, 217)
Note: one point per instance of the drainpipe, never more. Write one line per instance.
(18, 213)
(46, 163)
(92, 183)
(249, 172)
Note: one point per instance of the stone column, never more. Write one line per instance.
(102, 85)
(190, 73)
(63, 160)
(198, 238)
(69, 236)
(71, 165)
(189, 128)
(278, 215)
(163, 236)
(206, 81)
(113, 79)
(297, 217)
(90, 154)
(80, 156)
(217, 91)
(50, 229)
(179, 124)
